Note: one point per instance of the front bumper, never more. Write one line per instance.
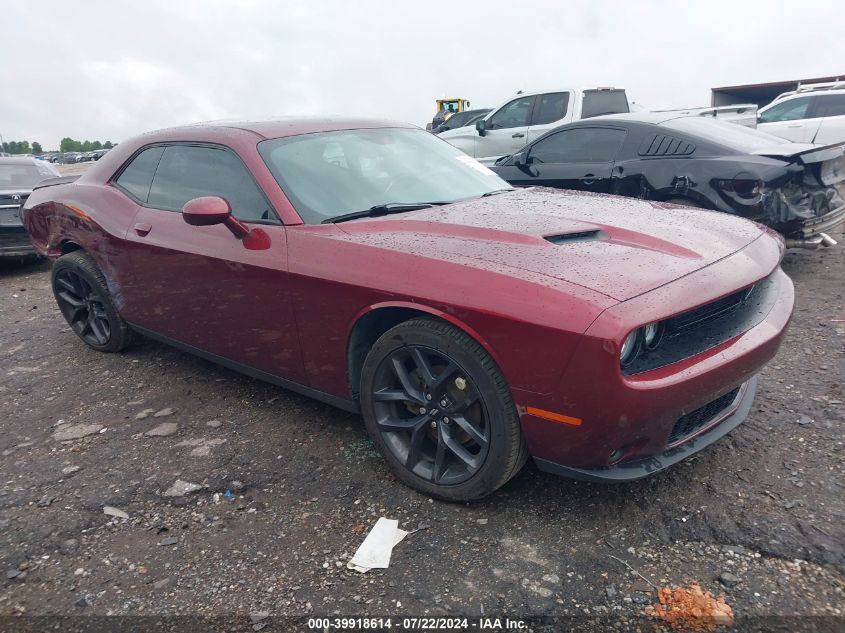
(722, 424)
(624, 425)
(14, 242)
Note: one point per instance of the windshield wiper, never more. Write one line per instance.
(382, 209)
(495, 191)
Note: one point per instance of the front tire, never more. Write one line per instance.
(440, 411)
(82, 296)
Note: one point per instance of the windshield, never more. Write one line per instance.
(732, 135)
(457, 120)
(21, 175)
(329, 174)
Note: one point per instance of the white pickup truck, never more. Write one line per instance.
(526, 117)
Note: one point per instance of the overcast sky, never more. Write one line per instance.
(110, 69)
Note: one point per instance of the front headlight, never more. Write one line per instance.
(629, 348)
(747, 188)
(651, 335)
(641, 341)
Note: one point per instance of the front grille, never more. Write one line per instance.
(710, 311)
(702, 328)
(13, 201)
(694, 421)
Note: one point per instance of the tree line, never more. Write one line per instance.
(67, 145)
(21, 147)
(70, 145)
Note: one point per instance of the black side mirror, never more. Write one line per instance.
(481, 127)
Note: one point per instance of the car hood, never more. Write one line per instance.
(619, 247)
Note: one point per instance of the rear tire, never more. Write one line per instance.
(82, 295)
(440, 411)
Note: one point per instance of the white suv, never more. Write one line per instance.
(816, 116)
(526, 117)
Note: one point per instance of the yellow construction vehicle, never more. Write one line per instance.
(445, 109)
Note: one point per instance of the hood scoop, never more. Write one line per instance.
(579, 236)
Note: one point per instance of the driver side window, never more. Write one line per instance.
(791, 110)
(514, 114)
(189, 171)
(579, 145)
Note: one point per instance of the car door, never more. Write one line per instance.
(550, 111)
(575, 158)
(506, 129)
(790, 119)
(200, 285)
(830, 110)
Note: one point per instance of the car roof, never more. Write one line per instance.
(783, 98)
(570, 89)
(655, 118)
(286, 126)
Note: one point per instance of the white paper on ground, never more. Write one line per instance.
(375, 551)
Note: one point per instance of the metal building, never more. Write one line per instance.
(761, 94)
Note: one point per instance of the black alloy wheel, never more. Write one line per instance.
(82, 308)
(440, 411)
(82, 294)
(430, 416)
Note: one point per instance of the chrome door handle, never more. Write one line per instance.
(518, 135)
(588, 179)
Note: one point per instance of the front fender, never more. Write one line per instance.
(440, 314)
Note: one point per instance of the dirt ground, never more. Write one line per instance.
(289, 487)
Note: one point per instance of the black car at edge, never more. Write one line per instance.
(18, 176)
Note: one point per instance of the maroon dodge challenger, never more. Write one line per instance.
(375, 267)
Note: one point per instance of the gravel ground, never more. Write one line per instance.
(288, 487)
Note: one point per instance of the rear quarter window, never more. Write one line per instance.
(550, 107)
(598, 102)
(830, 105)
(665, 145)
(137, 177)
